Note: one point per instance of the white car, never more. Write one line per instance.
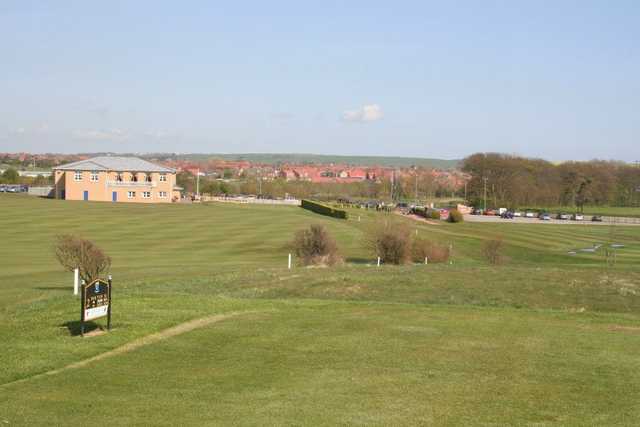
(530, 214)
(578, 217)
(517, 214)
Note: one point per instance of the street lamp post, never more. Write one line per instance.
(485, 179)
(416, 187)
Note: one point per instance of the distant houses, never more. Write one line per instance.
(115, 179)
(331, 173)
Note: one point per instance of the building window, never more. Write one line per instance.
(77, 176)
(119, 177)
(94, 176)
(131, 194)
(134, 177)
(146, 194)
(163, 177)
(148, 177)
(162, 194)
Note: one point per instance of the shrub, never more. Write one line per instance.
(391, 241)
(323, 209)
(74, 252)
(433, 214)
(455, 216)
(315, 246)
(434, 252)
(427, 213)
(419, 211)
(492, 250)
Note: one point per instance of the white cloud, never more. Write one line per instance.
(367, 113)
(100, 135)
(157, 134)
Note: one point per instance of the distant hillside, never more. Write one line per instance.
(322, 158)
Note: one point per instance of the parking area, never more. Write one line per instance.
(524, 220)
(13, 188)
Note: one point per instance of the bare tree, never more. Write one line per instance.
(432, 251)
(315, 246)
(74, 252)
(391, 241)
(492, 250)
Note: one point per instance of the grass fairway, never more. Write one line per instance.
(210, 328)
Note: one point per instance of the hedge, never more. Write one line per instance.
(323, 209)
(427, 213)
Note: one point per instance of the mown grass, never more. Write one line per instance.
(547, 339)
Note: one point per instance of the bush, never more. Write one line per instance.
(323, 209)
(455, 216)
(74, 252)
(315, 246)
(433, 214)
(434, 252)
(427, 213)
(391, 241)
(492, 250)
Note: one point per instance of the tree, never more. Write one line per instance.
(492, 250)
(74, 252)
(186, 180)
(315, 246)
(10, 176)
(391, 241)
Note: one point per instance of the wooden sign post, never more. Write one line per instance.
(95, 302)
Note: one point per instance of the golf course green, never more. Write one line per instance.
(211, 328)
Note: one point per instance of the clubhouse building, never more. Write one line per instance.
(116, 179)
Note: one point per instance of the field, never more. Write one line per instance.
(276, 158)
(210, 328)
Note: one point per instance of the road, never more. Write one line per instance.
(522, 220)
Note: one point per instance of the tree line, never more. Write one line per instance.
(513, 181)
(421, 184)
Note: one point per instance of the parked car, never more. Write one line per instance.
(544, 216)
(577, 217)
(563, 216)
(596, 218)
(477, 211)
(507, 215)
(530, 214)
(490, 212)
(517, 214)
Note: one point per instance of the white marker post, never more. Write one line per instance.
(289, 265)
(426, 260)
(378, 261)
(76, 279)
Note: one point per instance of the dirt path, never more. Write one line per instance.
(135, 344)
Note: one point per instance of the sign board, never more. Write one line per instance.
(96, 301)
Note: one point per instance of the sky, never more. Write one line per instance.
(555, 79)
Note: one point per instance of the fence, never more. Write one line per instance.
(253, 200)
(41, 191)
(620, 220)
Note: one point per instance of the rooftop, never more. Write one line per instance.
(113, 163)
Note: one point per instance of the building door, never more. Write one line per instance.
(86, 195)
(114, 196)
